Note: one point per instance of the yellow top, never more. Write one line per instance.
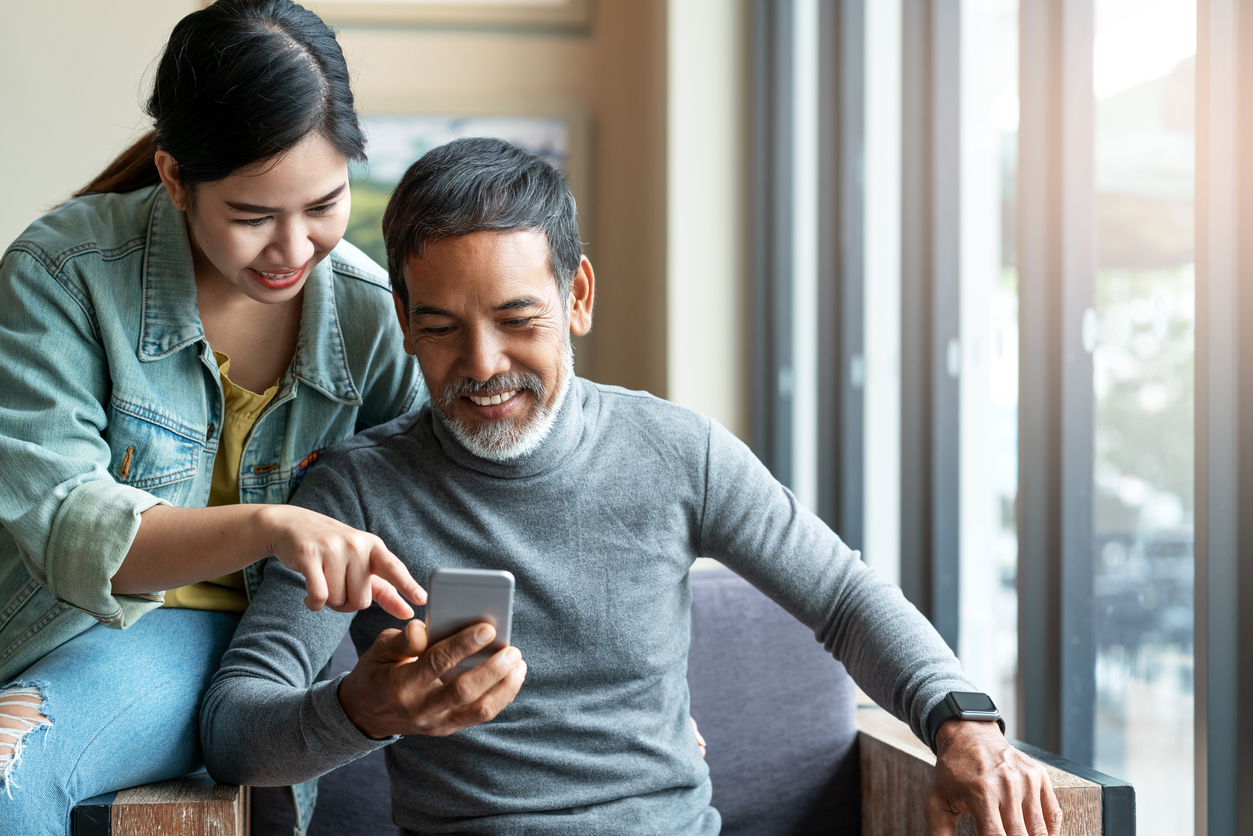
(226, 594)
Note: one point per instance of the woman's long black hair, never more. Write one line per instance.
(240, 82)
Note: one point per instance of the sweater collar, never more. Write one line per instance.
(556, 448)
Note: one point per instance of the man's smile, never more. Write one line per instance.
(489, 407)
(490, 400)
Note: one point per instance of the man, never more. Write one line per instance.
(598, 500)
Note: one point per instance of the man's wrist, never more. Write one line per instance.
(956, 729)
(963, 705)
(348, 701)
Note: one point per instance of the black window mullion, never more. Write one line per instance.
(772, 282)
(841, 364)
(930, 307)
(1224, 419)
(1056, 424)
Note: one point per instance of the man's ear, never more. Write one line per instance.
(403, 316)
(582, 290)
(167, 168)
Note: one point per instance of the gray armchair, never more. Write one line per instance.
(791, 753)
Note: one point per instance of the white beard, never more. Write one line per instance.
(502, 441)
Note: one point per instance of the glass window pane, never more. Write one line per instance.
(883, 288)
(1144, 71)
(988, 635)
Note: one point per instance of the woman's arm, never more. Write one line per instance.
(70, 521)
(343, 568)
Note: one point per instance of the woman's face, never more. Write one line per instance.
(263, 228)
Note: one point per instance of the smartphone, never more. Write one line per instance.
(460, 598)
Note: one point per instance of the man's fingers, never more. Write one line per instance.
(1051, 809)
(700, 739)
(993, 823)
(1033, 816)
(444, 656)
(471, 686)
(402, 645)
(390, 568)
(496, 698)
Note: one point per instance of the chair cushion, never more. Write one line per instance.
(778, 712)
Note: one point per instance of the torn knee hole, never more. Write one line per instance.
(21, 714)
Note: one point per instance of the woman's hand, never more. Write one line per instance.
(344, 569)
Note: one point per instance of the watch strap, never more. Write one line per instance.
(950, 708)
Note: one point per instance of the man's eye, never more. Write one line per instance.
(520, 323)
(436, 330)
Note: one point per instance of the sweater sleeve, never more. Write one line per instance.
(263, 721)
(756, 527)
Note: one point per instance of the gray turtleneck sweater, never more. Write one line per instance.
(600, 526)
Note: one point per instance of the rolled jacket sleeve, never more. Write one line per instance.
(90, 537)
(72, 522)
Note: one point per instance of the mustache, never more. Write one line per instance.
(495, 383)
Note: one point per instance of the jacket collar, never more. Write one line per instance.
(171, 319)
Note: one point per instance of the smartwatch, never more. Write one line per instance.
(962, 705)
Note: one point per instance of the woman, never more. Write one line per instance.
(179, 343)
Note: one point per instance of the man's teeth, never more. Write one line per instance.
(492, 400)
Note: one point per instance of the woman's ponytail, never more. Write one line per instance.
(133, 169)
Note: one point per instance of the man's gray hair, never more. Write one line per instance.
(475, 185)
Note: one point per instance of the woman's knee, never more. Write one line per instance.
(31, 802)
(23, 713)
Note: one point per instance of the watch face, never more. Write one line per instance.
(971, 701)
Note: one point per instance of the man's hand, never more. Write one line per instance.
(977, 771)
(398, 686)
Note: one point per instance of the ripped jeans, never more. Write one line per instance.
(121, 707)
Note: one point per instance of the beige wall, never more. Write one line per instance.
(616, 73)
(707, 360)
(72, 82)
(75, 74)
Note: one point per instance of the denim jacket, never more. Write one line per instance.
(111, 402)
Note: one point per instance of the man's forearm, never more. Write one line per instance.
(261, 733)
(265, 720)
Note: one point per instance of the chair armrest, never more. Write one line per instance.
(896, 773)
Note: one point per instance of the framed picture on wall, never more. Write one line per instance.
(531, 14)
(398, 135)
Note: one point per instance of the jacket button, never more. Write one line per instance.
(208, 434)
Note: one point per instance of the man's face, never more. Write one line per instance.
(492, 335)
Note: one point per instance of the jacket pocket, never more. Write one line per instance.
(148, 447)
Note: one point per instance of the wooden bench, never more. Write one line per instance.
(794, 750)
(895, 779)
(896, 773)
(194, 806)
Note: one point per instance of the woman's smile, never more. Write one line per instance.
(278, 281)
